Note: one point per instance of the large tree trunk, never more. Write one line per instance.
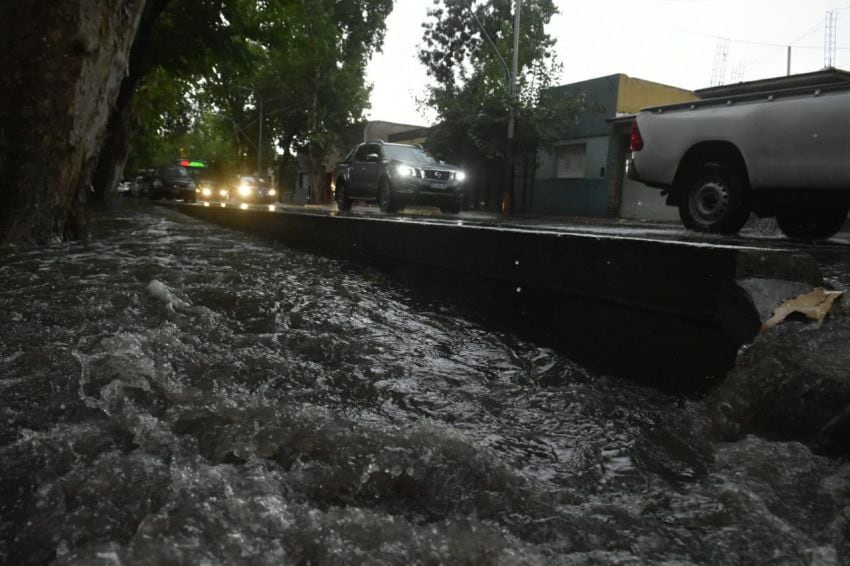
(116, 144)
(61, 66)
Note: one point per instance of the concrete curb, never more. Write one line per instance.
(667, 313)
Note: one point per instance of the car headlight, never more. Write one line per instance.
(245, 190)
(460, 176)
(206, 191)
(405, 171)
(223, 193)
(272, 192)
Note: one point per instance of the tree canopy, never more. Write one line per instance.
(291, 68)
(467, 50)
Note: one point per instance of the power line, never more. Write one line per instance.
(768, 44)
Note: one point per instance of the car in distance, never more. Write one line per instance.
(142, 184)
(123, 188)
(394, 175)
(253, 190)
(210, 191)
(172, 182)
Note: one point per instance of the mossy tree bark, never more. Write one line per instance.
(61, 67)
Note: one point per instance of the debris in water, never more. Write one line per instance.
(815, 304)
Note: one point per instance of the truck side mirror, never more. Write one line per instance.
(373, 158)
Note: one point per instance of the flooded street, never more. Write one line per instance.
(178, 393)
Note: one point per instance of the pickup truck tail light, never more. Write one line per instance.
(636, 141)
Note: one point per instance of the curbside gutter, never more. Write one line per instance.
(666, 313)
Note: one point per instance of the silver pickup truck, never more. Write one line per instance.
(784, 153)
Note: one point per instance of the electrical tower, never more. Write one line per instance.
(721, 56)
(737, 74)
(829, 39)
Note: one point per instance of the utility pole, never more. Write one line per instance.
(788, 70)
(259, 101)
(511, 76)
(507, 203)
(514, 70)
(260, 140)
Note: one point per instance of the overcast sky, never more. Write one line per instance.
(673, 42)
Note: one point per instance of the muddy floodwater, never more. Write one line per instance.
(177, 393)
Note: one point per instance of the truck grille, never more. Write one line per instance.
(438, 175)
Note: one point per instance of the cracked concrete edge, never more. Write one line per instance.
(768, 294)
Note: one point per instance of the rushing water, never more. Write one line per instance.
(176, 393)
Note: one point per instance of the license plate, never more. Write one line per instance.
(438, 185)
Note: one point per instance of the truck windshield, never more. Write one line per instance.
(407, 153)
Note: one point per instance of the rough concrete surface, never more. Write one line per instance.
(793, 382)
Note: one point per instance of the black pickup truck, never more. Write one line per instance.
(397, 174)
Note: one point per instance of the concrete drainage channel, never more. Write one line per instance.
(666, 313)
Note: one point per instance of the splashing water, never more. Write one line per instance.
(178, 393)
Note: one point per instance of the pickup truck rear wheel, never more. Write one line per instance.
(811, 223)
(713, 200)
(386, 202)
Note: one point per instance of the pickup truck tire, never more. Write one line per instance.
(712, 200)
(811, 223)
(386, 200)
(342, 200)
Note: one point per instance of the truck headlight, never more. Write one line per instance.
(406, 171)
(272, 192)
(244, 190)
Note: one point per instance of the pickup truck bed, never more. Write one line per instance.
(783, 153)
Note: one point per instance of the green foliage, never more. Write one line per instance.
(219, 67)
(311, 67)
(467, 52)
(179, 49)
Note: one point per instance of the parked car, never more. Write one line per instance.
(253, 190)
(397, 174)
(141, 185)
(210, 191)
(172, 182)
(123, 189)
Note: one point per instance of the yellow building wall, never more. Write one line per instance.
(635, 94)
